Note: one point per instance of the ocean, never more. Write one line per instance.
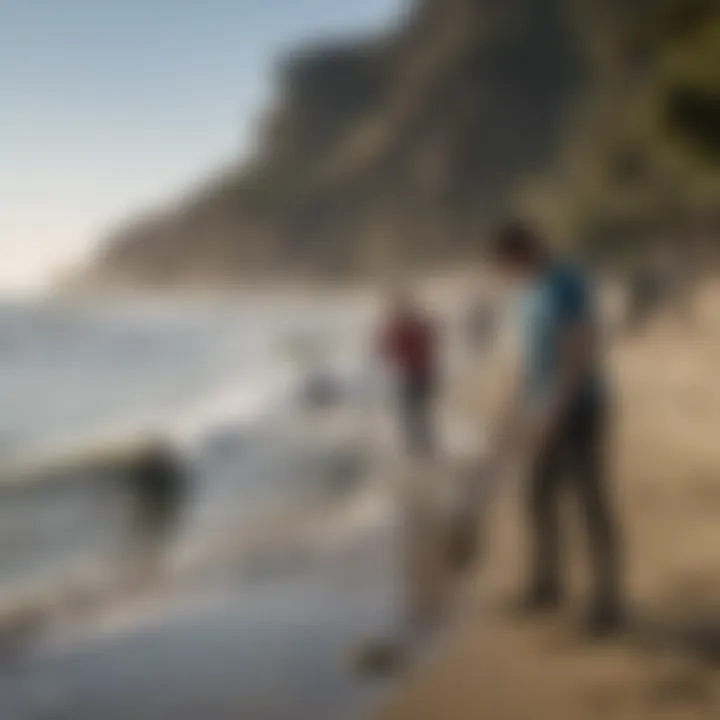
(281, 559)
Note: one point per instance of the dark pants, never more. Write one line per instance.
(417, 396)
(574, 457)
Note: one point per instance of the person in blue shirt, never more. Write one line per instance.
(562, 403)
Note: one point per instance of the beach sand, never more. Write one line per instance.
(666, 468)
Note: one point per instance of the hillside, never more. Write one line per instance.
(401, 150)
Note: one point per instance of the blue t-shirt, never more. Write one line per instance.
(561, 297)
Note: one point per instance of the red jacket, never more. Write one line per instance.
(409, 342)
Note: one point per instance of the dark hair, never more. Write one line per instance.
(518, 244)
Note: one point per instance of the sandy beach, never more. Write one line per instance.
(666, 463)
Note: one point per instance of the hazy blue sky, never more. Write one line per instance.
(107, 106)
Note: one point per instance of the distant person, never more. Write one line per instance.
(408, 343)
(562, 412)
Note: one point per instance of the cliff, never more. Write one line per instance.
(402, 150)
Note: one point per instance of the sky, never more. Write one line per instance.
(108, 107)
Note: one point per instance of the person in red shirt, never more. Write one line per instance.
(408, 342)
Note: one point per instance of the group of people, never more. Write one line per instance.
(556, 412)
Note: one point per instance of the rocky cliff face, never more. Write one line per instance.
(394, 151)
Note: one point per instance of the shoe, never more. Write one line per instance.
(540, 600)
(604, 620)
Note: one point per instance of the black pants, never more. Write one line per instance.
(574, 458)
(417, 395)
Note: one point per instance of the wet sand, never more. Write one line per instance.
(270, 646)
(666, 459)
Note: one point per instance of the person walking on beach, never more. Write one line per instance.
(561, 412)
(408, 342)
